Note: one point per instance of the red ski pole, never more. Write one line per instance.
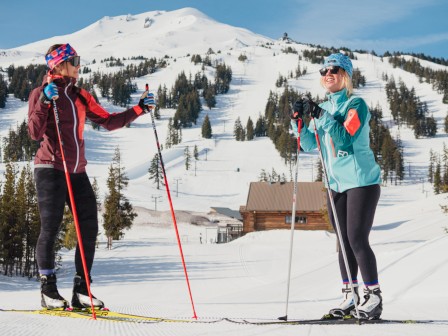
(73, 205)
(173, 216)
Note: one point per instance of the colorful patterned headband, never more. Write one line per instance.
(59, 55)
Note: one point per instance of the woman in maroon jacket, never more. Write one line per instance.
(74, 106)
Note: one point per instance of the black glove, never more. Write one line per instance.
(311, 108)
(298, 109)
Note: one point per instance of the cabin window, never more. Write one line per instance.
(298, 219)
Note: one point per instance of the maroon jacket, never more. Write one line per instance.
(72, 115)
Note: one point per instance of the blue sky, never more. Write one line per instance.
(380, 25)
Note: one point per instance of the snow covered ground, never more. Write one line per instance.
(246, 278)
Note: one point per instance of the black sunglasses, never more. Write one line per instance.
(75, 60)
(333, 70)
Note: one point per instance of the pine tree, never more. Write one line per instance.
(320, 172)
(250, 132)
(96, 191)
(169, 140)
(210, 96)
(155, 171)
(432, 159)
(119, 213)
(263, 176)
(174, 134)
(8, 219)
(206, 128)
(260, 127)
(444, 168)
(32, 224)
(3, 91)
(187, 157)
(274, 177)
(21, 223)
(445, 124)
(238, 130)
(437, 179)
(196, 152)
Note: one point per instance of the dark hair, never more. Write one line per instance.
(53, 47)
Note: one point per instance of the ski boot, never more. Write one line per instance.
(348, 304)
(80, 298)
(372, 307)
(50, 297)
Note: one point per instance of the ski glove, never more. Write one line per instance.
(148, 102)
(311, 108)
(51, 91)
(298, 110)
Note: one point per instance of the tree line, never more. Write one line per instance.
(317, 56)
(388, 151)
(438, 78)
(20, 221)
(22, 80)
(116, 87)
(407, 108)
(438, 170)
(3, 91)
(185, 95)
(18, 146)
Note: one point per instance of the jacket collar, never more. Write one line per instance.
(338, 97)
(65, 81)
(61, 81)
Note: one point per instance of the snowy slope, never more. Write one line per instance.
(246, 278)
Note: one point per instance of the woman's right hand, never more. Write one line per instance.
(51, 91)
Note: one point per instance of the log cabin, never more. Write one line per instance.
(269, 206)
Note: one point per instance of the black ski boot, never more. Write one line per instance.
(372, 307)
(348, 304)
(50, 297)
(80, 298)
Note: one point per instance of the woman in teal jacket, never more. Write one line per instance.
(342, 123)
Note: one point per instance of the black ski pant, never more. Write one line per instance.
(52, 195)
(355, 209)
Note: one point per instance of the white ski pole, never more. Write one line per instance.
(293, 220)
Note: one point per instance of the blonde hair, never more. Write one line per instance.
(346, 82)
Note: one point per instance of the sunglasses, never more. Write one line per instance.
(333, 70)
(75, 60)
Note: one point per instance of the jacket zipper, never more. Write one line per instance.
(329, 151)
(75, 124)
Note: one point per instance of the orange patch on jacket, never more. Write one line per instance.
(352, 123)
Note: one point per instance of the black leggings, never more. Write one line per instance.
(52, 194)
(356, 209)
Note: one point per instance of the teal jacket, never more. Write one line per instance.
(343, 131)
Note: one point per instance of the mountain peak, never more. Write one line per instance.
(153, 34)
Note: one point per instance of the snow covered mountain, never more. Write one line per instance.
(179, 34)
(244, 277)
(152, 34)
